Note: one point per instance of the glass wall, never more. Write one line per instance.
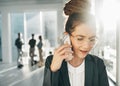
(38, 23)
(107, 16)
(32, 24)
(109, 48)
(17, 25)
(0, 37)
(50, 26)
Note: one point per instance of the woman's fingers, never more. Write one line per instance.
(62, 47)
(60, 54)
(65, 51)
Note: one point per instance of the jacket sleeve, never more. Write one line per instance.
(50, 78)
(103, 78)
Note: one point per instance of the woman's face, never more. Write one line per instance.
(83, 39)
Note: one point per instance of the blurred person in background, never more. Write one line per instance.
(39, 46)
(19, 43)
(32, 43)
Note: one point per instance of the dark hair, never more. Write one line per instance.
(40, 37)
(79, 18)
(78, 12)
(32, 34)
(79, 6)
(19, 34)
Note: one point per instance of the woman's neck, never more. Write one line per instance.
(76, 61)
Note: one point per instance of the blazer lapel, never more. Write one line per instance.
(89, 66)
(88, 71)
(64, 73)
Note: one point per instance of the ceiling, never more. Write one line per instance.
(7, 2)
(31, 0)
(17, 2)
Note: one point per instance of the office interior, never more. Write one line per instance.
(46, 18)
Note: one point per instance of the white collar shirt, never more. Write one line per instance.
(76, 74)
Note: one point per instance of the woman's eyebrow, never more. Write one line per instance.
(80, 35)
(85, 36)
(92, 37)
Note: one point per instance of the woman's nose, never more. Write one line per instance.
(87, 45)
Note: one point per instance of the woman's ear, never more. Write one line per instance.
(65, 33)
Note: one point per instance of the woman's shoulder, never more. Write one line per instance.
(49, 59)
(94, 58)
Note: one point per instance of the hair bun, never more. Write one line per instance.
(77, 6)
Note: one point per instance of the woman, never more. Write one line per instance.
(84, 69)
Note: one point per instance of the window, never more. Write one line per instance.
(109, 49)
(17, 25)
(38, 23)
(0, 37)
(108, 16)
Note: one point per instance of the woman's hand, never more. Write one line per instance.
(60, 54)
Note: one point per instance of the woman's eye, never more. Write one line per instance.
(92, 40)
(80, 39)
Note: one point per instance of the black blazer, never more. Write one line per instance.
(95, 73)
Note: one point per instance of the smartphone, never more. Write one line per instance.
(66, 39)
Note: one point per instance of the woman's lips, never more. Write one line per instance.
(83, 52)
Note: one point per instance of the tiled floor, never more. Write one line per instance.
(10, 75)
(27, 76)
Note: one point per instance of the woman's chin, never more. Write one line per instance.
(82, 55)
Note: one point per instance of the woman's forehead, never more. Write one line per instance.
(84, 29)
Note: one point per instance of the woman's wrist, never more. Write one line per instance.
(55, 66)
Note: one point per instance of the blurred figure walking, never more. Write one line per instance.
(18, 43)
(39, 45)
(32, 43)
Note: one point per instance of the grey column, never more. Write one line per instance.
(60, 24)
(118, 54)
(6, 38)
